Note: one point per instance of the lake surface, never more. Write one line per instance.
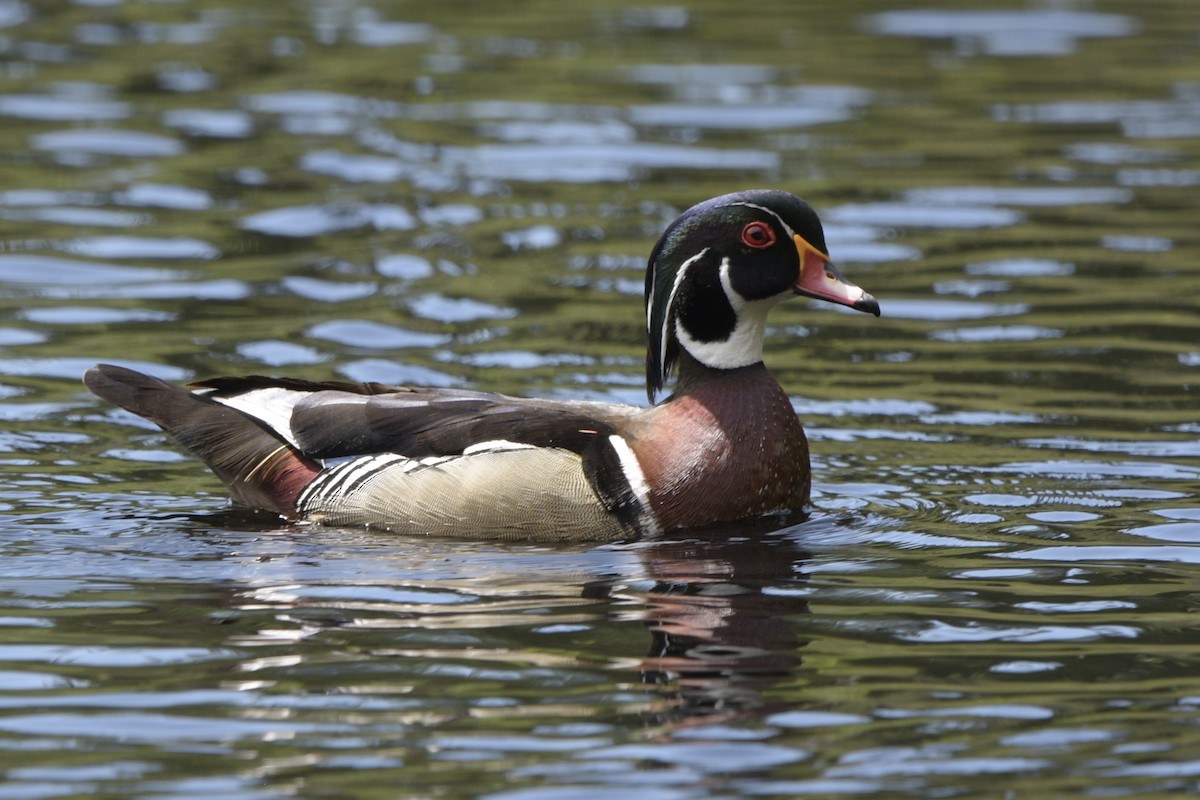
(996, 593)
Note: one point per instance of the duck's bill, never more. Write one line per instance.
(819, 278)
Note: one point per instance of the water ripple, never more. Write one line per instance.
(107, 142)
(674, 75)
(1008, 32)
(112, 657)
(371, 32)
(948, 310)
(902, 215)
(536, 237)
(82, 217)
(62, 108)
(71, 368)
(220, 289)
(318, 220)
(1177, 117)
(938, 631)
(997, 333)
(1131, 554)
(404, 266)
(1189, 448)
(15, 337)
(328, 291)
(1018, 196)
(157, 728)
(317, 104)
(276, 353)
(931, 760)
(356, 168)
(94, 315)
(561, 131)
(457, 309)
(1021, 267)
(1006, 711)
(210, 123)
(13, 13)
(716, 757)
(1090, 470)
(374, 369)
(133, 247)
(1184, 532)
(49, 270)
(743, 116)
(596, 163)
(160, 195)
(367, 334)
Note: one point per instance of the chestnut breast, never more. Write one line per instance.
(726, 449)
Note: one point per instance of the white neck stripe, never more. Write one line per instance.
(632, 469)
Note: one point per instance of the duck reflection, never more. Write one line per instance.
(722, 614)
(722, 605)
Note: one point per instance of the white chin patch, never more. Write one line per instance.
(744, 346)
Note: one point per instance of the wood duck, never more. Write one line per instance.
(724, 446)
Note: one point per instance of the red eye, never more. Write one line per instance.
(758, 235)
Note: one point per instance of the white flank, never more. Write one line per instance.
(744, 346)
(632, 470)
(272, 407)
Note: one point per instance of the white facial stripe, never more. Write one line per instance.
(679, 276)
(783, 224)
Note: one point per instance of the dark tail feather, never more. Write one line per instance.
(259, 469)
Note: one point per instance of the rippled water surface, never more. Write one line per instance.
(996, 591)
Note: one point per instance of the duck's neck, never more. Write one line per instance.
(694, 376)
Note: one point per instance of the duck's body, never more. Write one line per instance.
(725, 446)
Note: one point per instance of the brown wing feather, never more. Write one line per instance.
(441, 422)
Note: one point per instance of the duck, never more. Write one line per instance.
(724, 446)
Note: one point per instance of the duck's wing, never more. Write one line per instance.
(336, 419)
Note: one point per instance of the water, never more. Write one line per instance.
(995, 592)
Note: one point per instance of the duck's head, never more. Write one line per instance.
(721, 266)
